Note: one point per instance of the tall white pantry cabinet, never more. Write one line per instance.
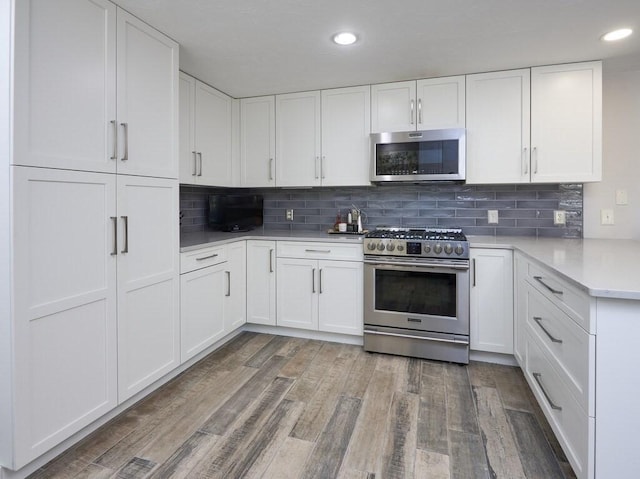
(89, 260)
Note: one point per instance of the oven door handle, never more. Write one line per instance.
(427, 267)
(410, 336)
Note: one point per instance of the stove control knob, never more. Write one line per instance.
(427, 249)
(459, 250)
(380, 246)
(437, 249)
(400, 247)
(448, 248)
(391, 247)
(371, 246)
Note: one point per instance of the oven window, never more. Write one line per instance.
(417, 158)
(416, 292)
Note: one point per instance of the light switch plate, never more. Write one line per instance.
(492, 217)
(621, 197)
(606, 217)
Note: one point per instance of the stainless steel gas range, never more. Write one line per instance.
(416, 293)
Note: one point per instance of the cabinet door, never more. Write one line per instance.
(340, 297)
(297, 293)
(187, 139)
(346, 150)
(213, 136)
(298, 139)
(498, 107)
(393, 107)
(235, 307)
(64, 313)
(65, 84)
(441, 103)
(261, 282)
(148, 282)
(258, 141)
(147, 100)
(566, 123)
(201, 309)
(491, 302)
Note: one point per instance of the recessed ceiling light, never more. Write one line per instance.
(617, 34)
(345, 38)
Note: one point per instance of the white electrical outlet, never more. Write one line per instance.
(606, 217)
(492, 217)
(622, 197)
(559, 217)
(290, 215)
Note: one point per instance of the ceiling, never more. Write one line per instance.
(256, 47)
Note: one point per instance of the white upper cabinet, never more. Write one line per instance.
(258, 141)
(147, 100)
(440, 103)
(65, 84)
(298, 139)
(498, 116)
(426, 104)
(346, 150)
(205, 134)
(566, 123)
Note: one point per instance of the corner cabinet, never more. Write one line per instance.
(491, 300)
(205, 134)
(538, 125)
(432, 103)
(319, 287)
(261, 282)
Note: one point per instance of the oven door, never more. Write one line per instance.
(432, 297)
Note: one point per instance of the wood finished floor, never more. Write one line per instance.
(268, 406)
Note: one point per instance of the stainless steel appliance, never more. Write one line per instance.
(416, 293)
(428, 155)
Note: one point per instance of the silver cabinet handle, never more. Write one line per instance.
(537, 377)
(473, 265)
(228, 283)
(115, 140)
(320, 280)
(195, 163)
(534, 152)
(270, 169)
(207, 257)
(538, 320)
(313, 280)
(200, 156)
(322, 161)
(553, 290)
(271, 260)
(125, 129)
(419, 110)
(317, 251)
(126, 234)
(317, 161)
(413, 103)
(525, 162)
(114, 251)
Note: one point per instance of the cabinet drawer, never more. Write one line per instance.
(333, 251)
(572, 426)
(568, 346)
(201, 258)
(574, 302)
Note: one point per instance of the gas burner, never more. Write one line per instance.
(430, 242)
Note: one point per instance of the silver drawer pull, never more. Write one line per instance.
(553, 290)
(228, 273)
(126, 234)
(125, 129)
(538, 320)
(317, 251)
(114, 251)
(537, 377)
(207, 257)
(271, 260)
(115, 140)
(313, 280)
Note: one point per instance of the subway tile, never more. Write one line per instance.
(535, 223)
(438, 213)
(456, 222)
(455, 204)
(516, 195)
(538, 204)
(476, 195)
(502, 222)
(470, 213)
(479, 230)
(515, 231)
(495, 205)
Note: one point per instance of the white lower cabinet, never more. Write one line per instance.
(491, 300)
(261, 282)
(320, 294)
(213, 296)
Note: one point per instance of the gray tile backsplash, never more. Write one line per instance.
(524, 210)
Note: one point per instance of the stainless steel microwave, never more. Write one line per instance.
(429, 155)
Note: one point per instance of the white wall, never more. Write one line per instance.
(621, 153)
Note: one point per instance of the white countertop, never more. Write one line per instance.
(601, 267)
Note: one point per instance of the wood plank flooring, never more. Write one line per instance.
(268, 406)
